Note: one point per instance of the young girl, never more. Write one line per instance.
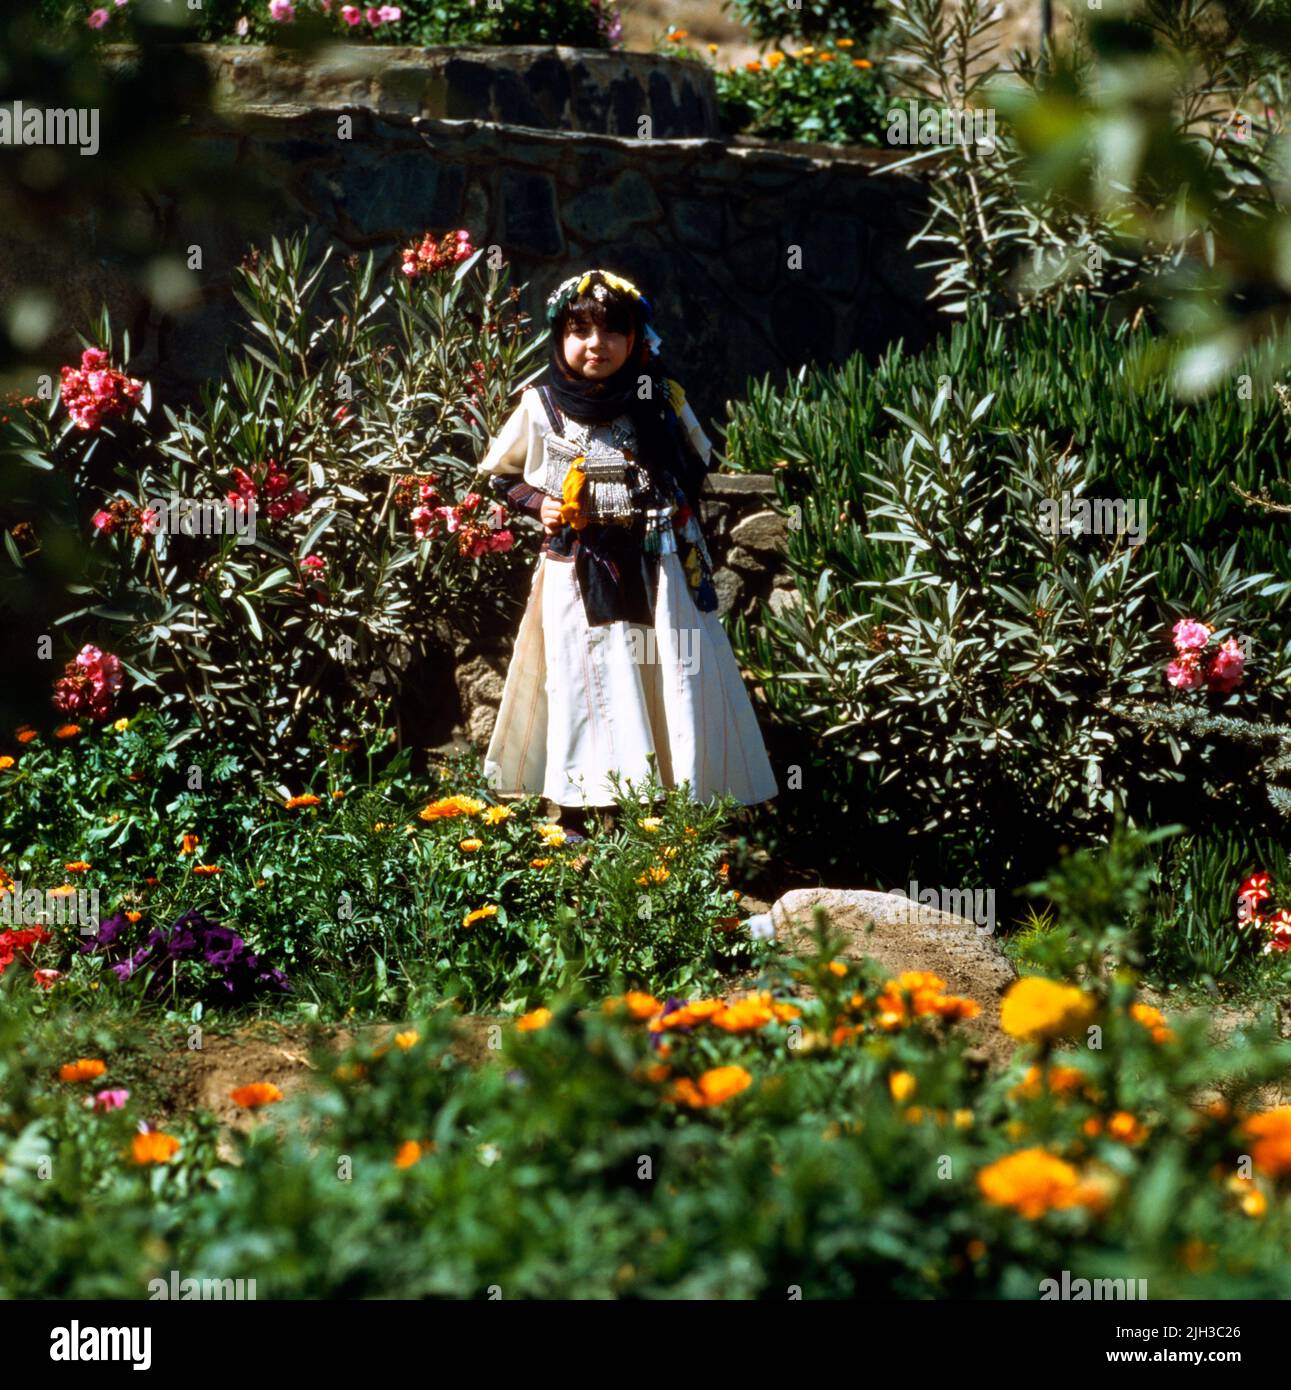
(620, 651)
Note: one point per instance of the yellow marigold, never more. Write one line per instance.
(963, 1119)
(656, 873)
(67, 731)
(408, 1038)
(539, 863)
(448, 806)
(844, 43)
(189, 844)
(121, 725)
(381, 825)
(837, 967)
(488, 910)
(807, 52)
(337, 795)
(494, 814)
(255, 1094)
(6, 763)
(902, 1085)
(154, 1147)
(651, 824)
(308, 799)
(552, 834)
(1255, 1203)
(470, 846)
(351, 1071)
(64, 890)
(1031, 1181)
(531, 1022)
(77, 866)
(1035, 1009)
(1271, 1130)
(712, 47)
(775, 59)
(409, 1152)
(689, 830)
(206, 870)
(25, 734)
(1153, 1020)
(83, 1069)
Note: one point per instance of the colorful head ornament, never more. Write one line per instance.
(598, 280)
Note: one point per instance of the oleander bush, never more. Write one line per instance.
(972, 679)
(342, 439)
(824, 1135)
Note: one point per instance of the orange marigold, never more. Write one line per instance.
(409, 1153)
(1031, 1181)
(153, 1147)
(531, 1022)
(1271, 1130)
(83, 1069)
(255, 1094)
(308, 799)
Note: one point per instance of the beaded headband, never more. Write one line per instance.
(569, 289)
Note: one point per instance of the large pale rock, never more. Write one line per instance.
(904, 935)
(762, 531)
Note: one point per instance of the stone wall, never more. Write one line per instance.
(757, 260)
(547, 87)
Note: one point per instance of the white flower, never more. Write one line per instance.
(760, 926)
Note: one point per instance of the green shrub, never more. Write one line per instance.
(825, 97)
(984, 670)
(835, 1141)
(345, 884)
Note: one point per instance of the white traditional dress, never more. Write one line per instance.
(580, 700)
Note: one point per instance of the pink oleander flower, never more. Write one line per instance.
(1190, 635)
(112, 1099)
(97, 19)
(243, 27)
(428, 255)
(315, 564)
(94, 392)
(390, 14)
(103, 521)
(282, 11)
(1185, 673)
(352, 15)
(89, 683)
(1227, 668)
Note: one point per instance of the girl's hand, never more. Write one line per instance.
(550, 515)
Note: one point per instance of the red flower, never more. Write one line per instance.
(94, 392)
(89, 683)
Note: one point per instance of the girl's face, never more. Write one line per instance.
(595, 352)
